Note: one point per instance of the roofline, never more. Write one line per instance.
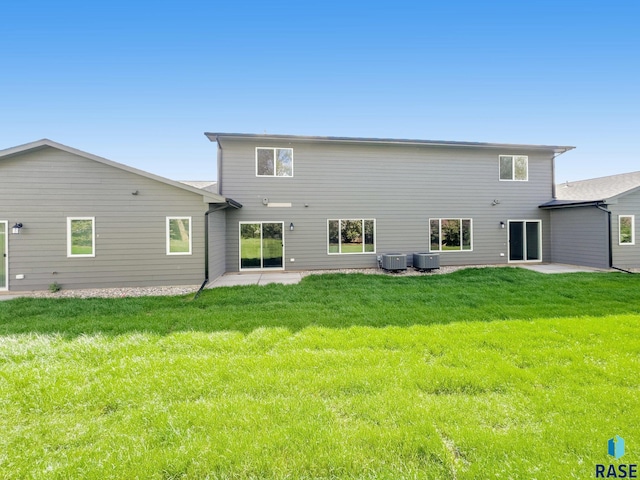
(45, 142)
(214, 136)
(571, 203)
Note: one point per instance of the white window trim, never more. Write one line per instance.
(375, 235)
(633, 230)
(93, 237)
(440, 234)
(168, 236)
(274, 160)
(5, 259)
(513, 168)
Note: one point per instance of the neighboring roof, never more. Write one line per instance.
(206, 185)
(595, 191)
(214, 137)
(602, 188)
(44, 143)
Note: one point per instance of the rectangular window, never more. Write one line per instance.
(351, 236)
(81, 237)
(274, 162)
(514, 167)
(450, 234)
(626, 230)
(178, 235)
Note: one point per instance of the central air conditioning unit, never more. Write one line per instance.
(426, 261)
(394, 261)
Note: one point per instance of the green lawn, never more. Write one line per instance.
(491, 373)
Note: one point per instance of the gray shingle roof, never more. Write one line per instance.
(601, 188)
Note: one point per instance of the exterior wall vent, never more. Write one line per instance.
(426, 261)
(394, 261)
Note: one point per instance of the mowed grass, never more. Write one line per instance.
(491, 373)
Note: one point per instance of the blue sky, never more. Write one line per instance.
(139, 82)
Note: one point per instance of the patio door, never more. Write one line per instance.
(261, 245)
(4, 256)
(525, 240)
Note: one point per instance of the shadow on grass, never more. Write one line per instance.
(337, 301)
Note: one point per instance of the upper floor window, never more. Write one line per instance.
(274, 162)
(450, 234)
(514, 167)
(81, 237)
(626, 230)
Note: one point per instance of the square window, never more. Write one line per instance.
(274, 162)
(514, 167)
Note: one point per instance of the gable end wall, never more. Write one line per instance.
(42, 188)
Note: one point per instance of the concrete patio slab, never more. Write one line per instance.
(561, 268)
(235, 279)
(5, 296)
(284, 278)
(232, 280)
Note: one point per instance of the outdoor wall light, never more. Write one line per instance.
(291, 226)
(16, 229)
(501, 224)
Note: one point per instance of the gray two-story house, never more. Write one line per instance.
(331, 202)
(284, 203)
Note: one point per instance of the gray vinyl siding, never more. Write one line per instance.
(579, 236)
(217, 246)
(626, 256)
(42, 188)
(399, 186)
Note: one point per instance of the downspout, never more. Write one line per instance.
(608, 212)
(219, 165)
(553, 176)
(206, 245)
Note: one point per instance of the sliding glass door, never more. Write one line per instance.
(261, 245)
(525, 240)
